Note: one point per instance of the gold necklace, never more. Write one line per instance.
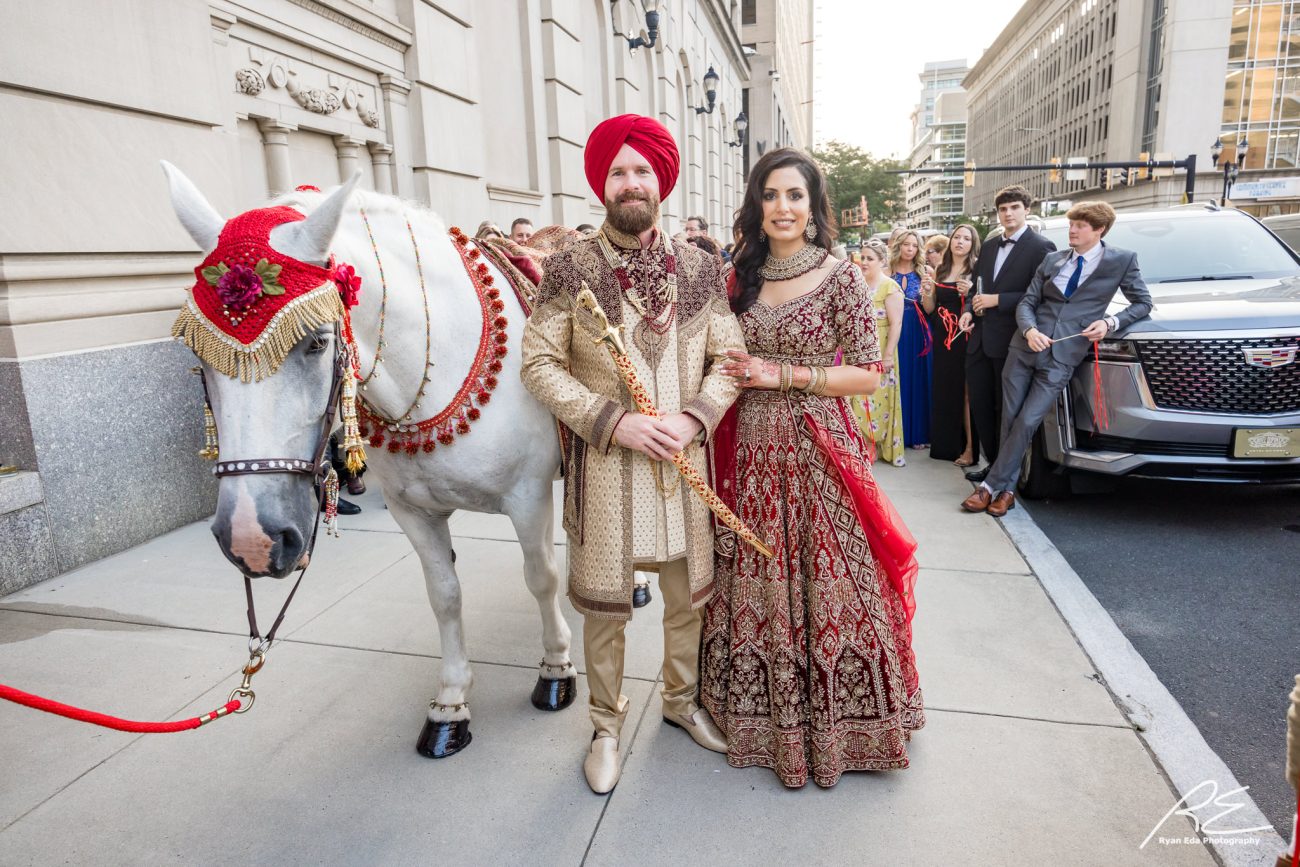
(807, 258)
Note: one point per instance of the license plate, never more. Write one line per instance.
(1277, 442)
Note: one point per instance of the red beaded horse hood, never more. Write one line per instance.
(250, 304)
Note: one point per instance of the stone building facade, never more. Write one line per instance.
(479, 109)
(1111, 79)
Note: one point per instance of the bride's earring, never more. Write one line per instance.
(810, 230)
(762, 236)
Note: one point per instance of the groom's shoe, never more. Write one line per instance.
(700, 727)
(601, 765)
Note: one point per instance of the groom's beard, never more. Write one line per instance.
(633, 213)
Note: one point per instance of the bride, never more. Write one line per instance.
(806, 662)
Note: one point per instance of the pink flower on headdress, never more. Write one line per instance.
(239, 287)
(345, 277)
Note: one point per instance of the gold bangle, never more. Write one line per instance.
(787, 376)
(820, 388)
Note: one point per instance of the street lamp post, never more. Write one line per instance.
(1231, 168)
(740, 124)
(651, 28)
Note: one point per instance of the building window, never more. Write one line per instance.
(748, 12)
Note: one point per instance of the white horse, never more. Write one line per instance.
(505, 465)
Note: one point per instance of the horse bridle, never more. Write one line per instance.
(318, 468)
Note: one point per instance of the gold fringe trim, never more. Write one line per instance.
(228, 355)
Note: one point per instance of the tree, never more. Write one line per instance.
(982, 225)
(852, 173)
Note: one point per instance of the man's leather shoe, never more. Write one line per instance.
(1002, 503)
(700, 727)
(346, 508)
(978, 501)
(977, 475)
(601, 765)
(356, 486)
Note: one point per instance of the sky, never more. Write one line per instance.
(868, 54)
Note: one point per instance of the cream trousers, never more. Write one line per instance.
(604, 641)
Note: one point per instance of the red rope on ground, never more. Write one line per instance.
(17, 696)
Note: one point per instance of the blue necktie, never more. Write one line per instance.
(1074, 278)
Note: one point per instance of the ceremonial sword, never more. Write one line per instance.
(613, 339)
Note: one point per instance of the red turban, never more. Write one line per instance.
(647, 136)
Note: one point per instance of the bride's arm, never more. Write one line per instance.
(841, 381)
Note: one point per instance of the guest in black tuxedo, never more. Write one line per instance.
(1064, 308)
(1004, 271)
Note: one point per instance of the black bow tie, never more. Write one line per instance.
(1006, 241)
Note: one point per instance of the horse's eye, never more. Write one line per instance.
(318, 343)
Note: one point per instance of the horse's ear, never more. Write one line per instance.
(309, 240)
(198, 217)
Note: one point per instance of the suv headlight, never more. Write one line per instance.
(1117, 350)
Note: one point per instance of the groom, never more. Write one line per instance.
(625, 508)
(1063, 308)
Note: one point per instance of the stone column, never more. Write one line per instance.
(349, 151)
(398, 122)
(275, 144)
(381, 157)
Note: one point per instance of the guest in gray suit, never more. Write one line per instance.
(1065, 303)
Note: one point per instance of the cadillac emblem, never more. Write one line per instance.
(1273, 356)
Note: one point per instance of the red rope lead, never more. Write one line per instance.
(111, 722)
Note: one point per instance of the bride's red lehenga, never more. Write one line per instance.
(807, 662)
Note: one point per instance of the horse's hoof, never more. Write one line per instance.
(554, 694)
(641, 596)
(441, 739)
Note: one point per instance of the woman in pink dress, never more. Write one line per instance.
(806, 662)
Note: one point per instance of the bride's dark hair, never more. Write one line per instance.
(751, 252)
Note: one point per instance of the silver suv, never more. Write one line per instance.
(1208, 387)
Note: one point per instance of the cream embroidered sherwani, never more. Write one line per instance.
(622, 511)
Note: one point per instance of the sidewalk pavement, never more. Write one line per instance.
(1025, 758)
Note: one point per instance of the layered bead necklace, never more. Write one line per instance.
(402, 432)
(807, 258)
(657, 309)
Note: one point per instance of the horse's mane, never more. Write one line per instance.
(425, 221)
(376, 204)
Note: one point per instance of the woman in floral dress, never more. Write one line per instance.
(880, 414)
(806, 661)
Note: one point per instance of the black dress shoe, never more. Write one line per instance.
(346, 508)
(971, 475)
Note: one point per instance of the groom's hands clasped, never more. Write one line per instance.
(658, 438)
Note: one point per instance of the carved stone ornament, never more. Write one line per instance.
(249, 81)
(368, 115)
(315, 99)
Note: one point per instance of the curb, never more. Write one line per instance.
(1169, 734)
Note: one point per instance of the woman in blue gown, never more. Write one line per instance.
(907, 267)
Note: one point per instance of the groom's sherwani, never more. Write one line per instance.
(623, 511)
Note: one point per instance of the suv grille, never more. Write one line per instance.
(1213, 376)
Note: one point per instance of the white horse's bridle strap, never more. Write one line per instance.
(263, 465)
